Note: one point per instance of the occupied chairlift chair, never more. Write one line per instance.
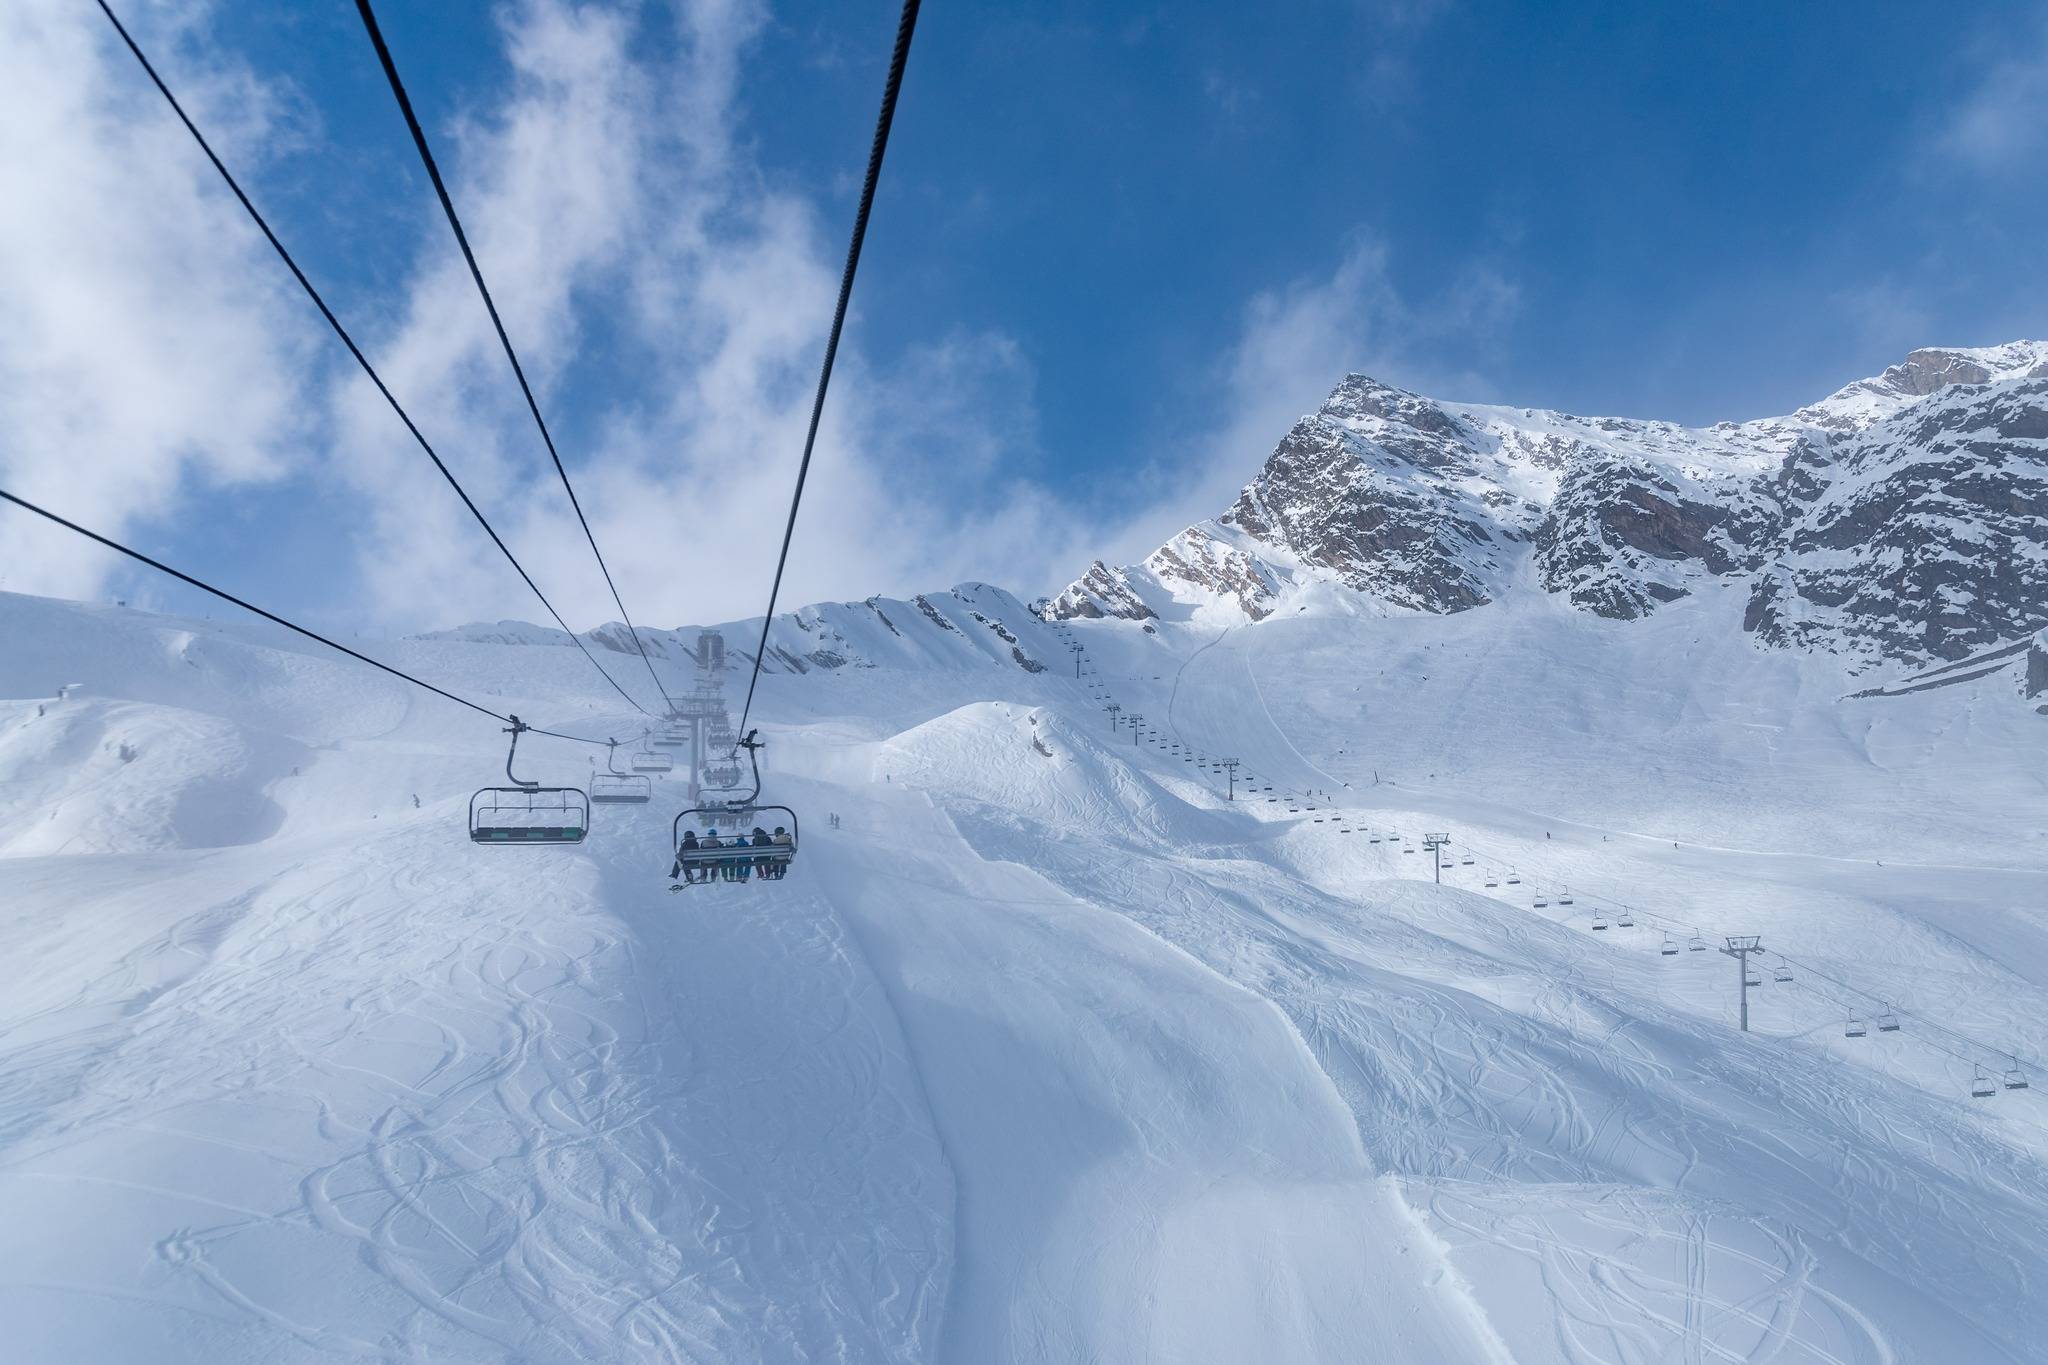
(614, 788)
(732, 818)
(526, 812)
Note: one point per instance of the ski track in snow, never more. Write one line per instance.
(1049, 1054)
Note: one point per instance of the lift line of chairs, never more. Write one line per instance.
(1983, 1084)
(526, 814)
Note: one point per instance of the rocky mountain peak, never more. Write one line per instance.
(1905, 515)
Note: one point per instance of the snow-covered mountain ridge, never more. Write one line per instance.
(1904, 516)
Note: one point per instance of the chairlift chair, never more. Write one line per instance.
(2015, 1079)
(732, 861)
(652, 761)
(1696, 944)
(1982, 1087)
(1627, 918)
(1888, 1020)
(526, 812)
(1782, 972)
(1465, 861)
(1670, 948)
(1492, 878)
(1513, 880)
(1541, 902)
(615, 788)
(1599, 922)
(620, 789)
(1564, 897)
(1752, 976)
(1854, 1028)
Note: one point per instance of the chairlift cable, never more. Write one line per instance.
(419, 140)
(342, 332)
(274, 618)
(898, 57)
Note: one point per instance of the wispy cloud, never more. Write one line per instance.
(2001, 122)
(148, 351)
(640, 252)
(1295, 342)
(715, 290)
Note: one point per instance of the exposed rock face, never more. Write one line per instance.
(1102, 591)
(1371, 487)
(1902, 516)
(1197, 560)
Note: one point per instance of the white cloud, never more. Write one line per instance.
(609, 183)
(635, 247)
(2002, 122)
(1294, 344)
(148, 350)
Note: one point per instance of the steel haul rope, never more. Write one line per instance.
(354, 350)
(905, 25)
(419, 139)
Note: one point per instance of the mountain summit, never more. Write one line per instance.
(1903, 516)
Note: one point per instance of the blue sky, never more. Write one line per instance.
(1117, 249)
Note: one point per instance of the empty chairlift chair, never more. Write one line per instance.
(1540, 901)
(1627, 918)
(1982, 1087)
(1492, 877)
(1599, 921)
(1888, 1020)
(1782, 972)
(1564, 897)
(1465, 861)
(2015, 1079)
(615, 788)
(1513, 880)
(526, 812)
(1855, 1028)
(1670, 948)
(1696, 944)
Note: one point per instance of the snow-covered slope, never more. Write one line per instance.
(1046, 1050)
(1904, 516)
